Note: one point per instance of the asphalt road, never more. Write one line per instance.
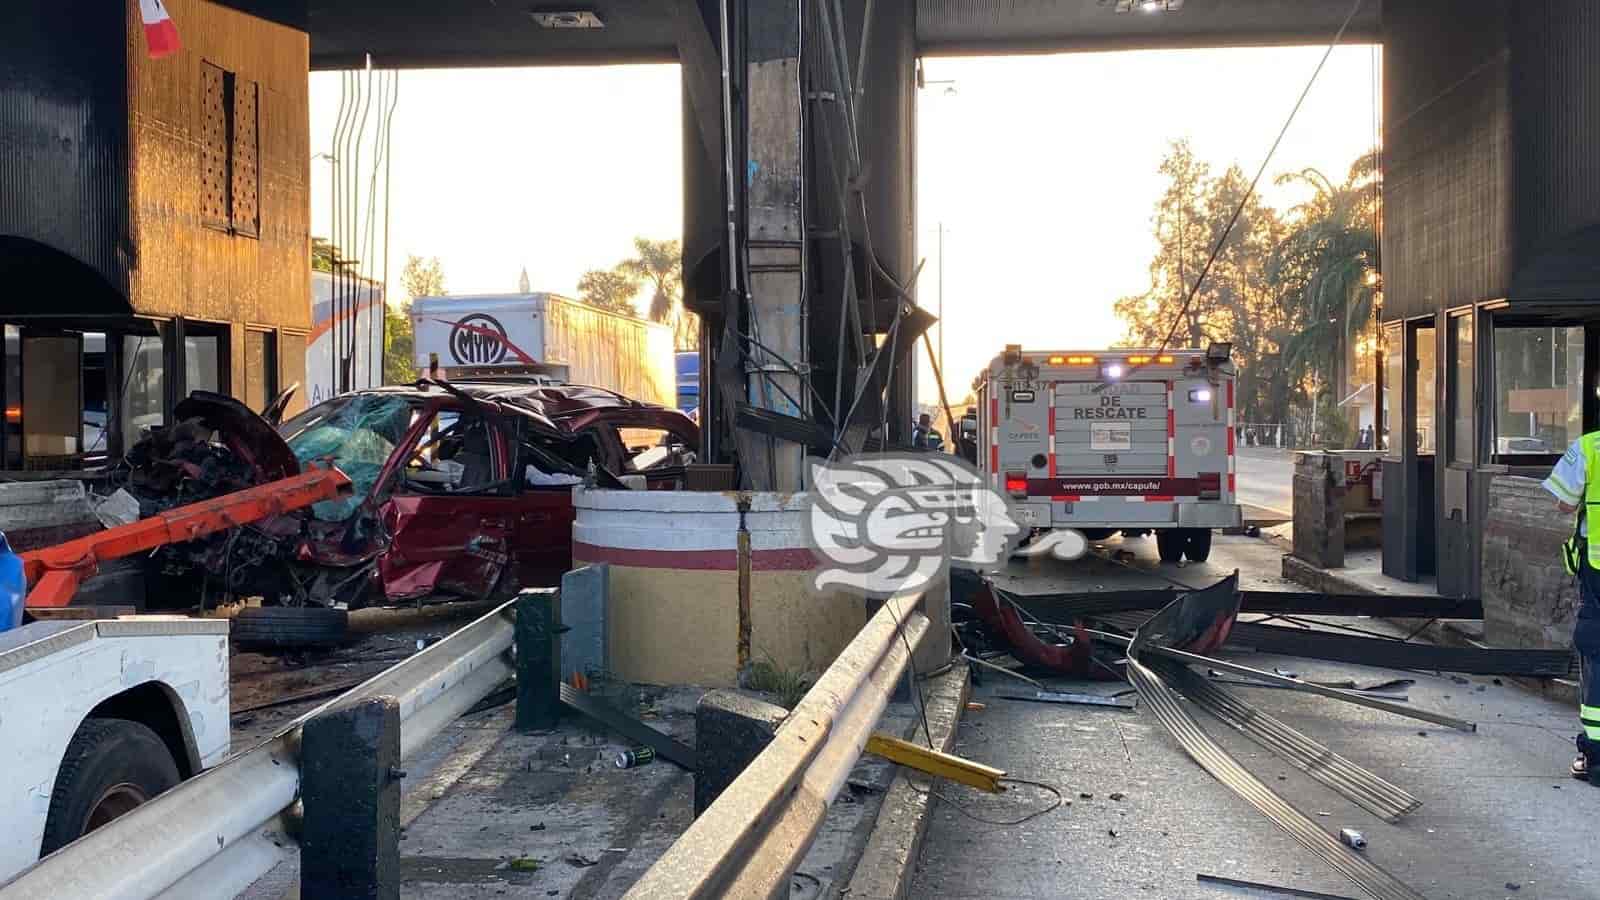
(1500, 817)
(1266, 482)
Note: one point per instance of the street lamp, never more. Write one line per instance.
(949, 91)
(940, 352)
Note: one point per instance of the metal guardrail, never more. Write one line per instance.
(217, 832)
(748, 843)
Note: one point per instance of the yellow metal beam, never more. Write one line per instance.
(940, 765)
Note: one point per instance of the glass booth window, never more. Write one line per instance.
(202, 363)
(1394, 373)
(1538, 389)
(52, 405)
(12, 380)
(1461, 387)
(1427, 375)
(143, 385)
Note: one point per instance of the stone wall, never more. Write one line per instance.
(1528, 598)
(1319, 510)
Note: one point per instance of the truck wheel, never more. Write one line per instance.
(289, 627)
(1197, 544)
(1170, 545)
(111, 766)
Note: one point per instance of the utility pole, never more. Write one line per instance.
(774, 235)
(941, 303)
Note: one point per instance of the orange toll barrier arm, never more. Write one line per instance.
(55, 572)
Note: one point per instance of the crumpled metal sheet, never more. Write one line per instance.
(1163, 701)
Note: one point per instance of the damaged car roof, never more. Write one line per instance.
(554, 401)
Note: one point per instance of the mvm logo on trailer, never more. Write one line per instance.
(478, 340)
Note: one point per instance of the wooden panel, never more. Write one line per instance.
(292, 369)
(246, 170)
(213, 139)
(257, 381)
(182, 267)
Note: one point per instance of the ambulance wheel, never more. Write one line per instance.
(1170, 545)
(1197, 544)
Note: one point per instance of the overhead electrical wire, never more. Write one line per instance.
(1238, 210)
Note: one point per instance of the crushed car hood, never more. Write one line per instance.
(243, 431)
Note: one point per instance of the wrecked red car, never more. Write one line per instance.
(461, 490)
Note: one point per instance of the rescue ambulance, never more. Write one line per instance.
(1101, 441)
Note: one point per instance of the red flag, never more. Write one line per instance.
(160, 35)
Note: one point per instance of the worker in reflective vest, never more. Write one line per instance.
(1575, 482)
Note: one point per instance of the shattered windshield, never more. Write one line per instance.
(359, 433)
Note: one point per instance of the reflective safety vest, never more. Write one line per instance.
(1589, 511)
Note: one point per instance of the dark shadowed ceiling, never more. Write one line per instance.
(411, 33)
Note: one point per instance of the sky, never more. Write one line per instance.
(1042, 170)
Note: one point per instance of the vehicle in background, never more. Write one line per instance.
(345, 348)
(967, 436)
(1099, 441)
(688, 363)
(496, 335)
(102, 716)
(461, 490)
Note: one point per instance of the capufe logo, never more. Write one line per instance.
(478, 340)
(1023, 432)
(892, 523)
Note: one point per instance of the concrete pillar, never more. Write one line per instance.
(1319, 509)
(730, 731)
(585, 599)
(775, 222)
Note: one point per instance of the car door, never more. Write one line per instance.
(541, 533)
(450, 509)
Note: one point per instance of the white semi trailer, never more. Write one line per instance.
(547, 335)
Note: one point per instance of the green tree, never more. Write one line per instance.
(1235, 302)
(418, 278)
(422, 277)
(323, 255)
(610, 289)
(661, 264)
(1326, 268)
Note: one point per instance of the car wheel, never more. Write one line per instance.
(110, 767)
(290, 627)
(1170, 544)
(1197, 544)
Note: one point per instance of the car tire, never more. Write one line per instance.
(110, 767)
(290, 627)
(1197, 544)
(1170, 544)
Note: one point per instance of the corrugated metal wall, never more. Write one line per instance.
(185, 266)
(1448, 202)
(1555, 86)
(63, 158)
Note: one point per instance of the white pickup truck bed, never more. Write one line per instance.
(88, 706)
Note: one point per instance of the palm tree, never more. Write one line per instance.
(661, 262)
(1327, 269)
